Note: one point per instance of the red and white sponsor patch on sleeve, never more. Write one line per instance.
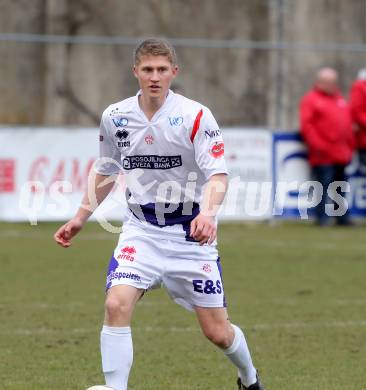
(217, 149)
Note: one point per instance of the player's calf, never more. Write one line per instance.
(222, 335)
(215, 325)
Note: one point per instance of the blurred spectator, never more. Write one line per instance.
(358, 110)
(326, 127)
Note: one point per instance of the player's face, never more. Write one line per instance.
(155, 74)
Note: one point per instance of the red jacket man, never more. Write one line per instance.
(326, 127)
(358, 110)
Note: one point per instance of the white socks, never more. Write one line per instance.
(117, 355)
(239, 354)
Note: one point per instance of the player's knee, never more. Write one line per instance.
(219, 335)
(116, 308)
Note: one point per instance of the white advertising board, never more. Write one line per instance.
(44, 171)
(248, 154)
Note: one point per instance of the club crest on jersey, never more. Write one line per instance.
(206, 268)
(120, 122)
(122, 135)
(175, 120)
(149, 139)
(217, 150)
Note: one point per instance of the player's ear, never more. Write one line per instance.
(175, 70)
(134, 71)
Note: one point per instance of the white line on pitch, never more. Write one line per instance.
(152, 303)
(177, 329)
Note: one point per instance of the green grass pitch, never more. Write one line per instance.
(298, 291)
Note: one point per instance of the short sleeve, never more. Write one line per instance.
(208, 144)
(109, 161)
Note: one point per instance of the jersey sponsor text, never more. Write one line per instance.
(152, 162)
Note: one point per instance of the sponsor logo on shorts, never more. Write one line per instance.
(207, 286)
(207, 268)
(217, 149)
(152, 162)
(123, 275)
(127, 253)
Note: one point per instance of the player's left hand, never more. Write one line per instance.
(203, 229)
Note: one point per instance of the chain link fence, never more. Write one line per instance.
(254, 77)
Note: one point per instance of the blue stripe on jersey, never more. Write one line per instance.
(158, 214)
(218, 262)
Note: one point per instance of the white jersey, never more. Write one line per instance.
(166, 161)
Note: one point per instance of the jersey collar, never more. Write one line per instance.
(168, 101)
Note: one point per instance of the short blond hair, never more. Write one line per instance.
(155, 47)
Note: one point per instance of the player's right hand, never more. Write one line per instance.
(67, 231)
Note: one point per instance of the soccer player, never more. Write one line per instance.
(168, 147)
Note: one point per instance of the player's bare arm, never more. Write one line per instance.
(203, 227)
(99, 187)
